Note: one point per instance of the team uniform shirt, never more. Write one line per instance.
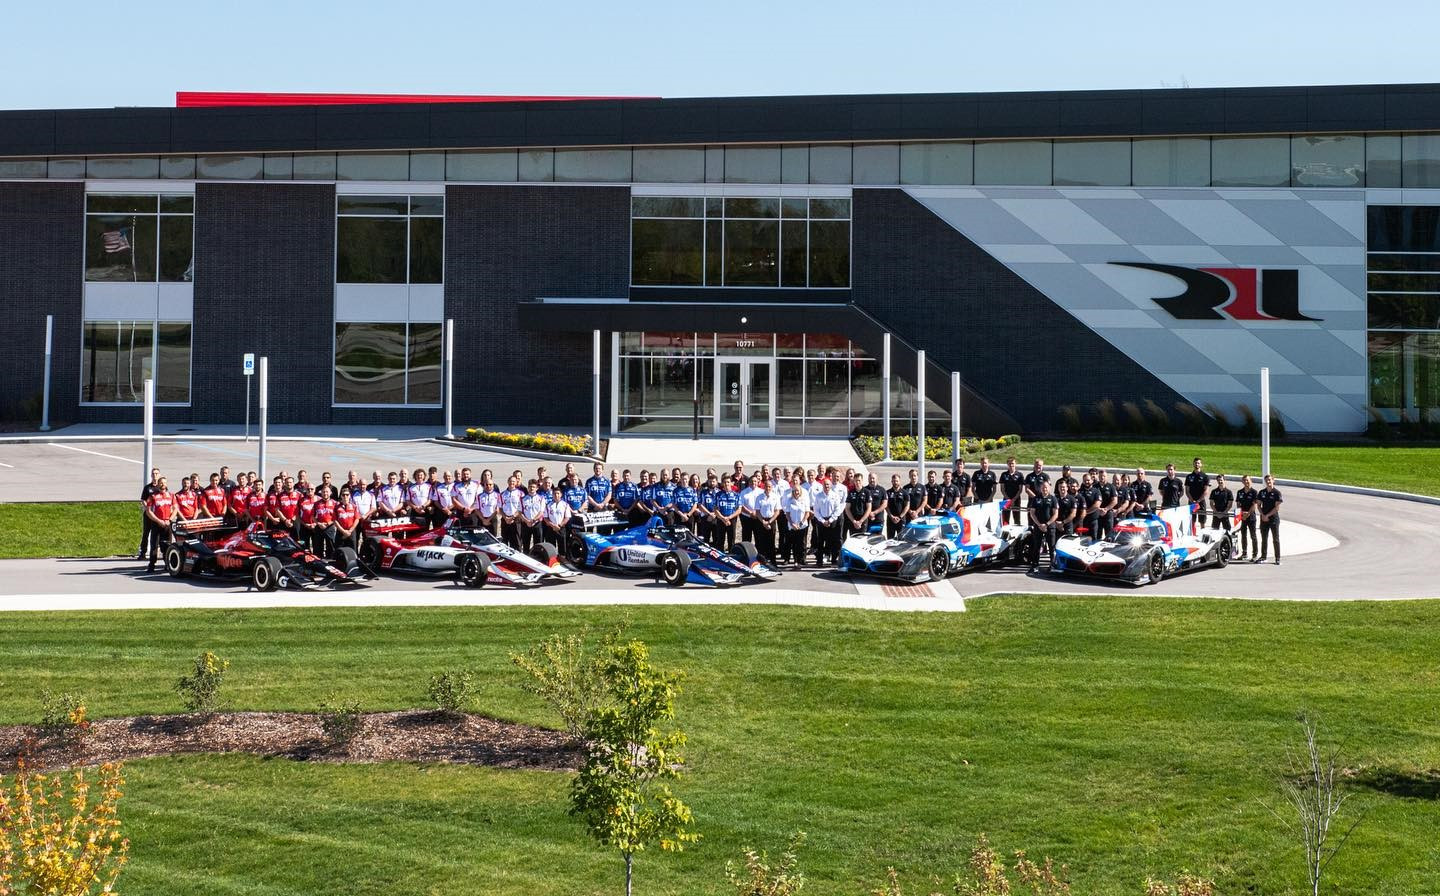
(391, 499)
(664, 495)
(1245, 499)
(307, 510)
(510, 501)
(767, 504)
(626, 494)
(1195, 486)
(238, 500)
(795, 507)
(463, 494)
(983, 482)
(488, 502)
(558, 513)
(575, 495)
(1143, 490)
(1125, 496)
(1221, 499)
(914, 496)
(1044, 508)
(1108, 494)
(1270, 500)
(1033, 480)
(876, 496)
(829, 505)
(442, 495)
(858, 503)
(1071, 483)
(1066, 506)
(323, 513)
(646, 497)
(347, 515)
(1011, 483)
(1089, 497)
(727, 501)
(935, 496)
(750, 497)
(533, 507)
(187, 503)
(1170, 490)
(215, 500)
(364, 502)
(709, 499)
(686, 498)
(896, 501)
(962, 483)
(814, 488)
(418, 495)
(256, 503)
(162, 504)
(597, 488)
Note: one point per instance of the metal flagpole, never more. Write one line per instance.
(885, 393)
(149, 428)
(954, 416)
(45, 396)
(920, 408)
(449, 378)
(1265, 421)
(264, 413)
(595, 376)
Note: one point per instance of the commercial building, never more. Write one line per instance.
(1150, 247)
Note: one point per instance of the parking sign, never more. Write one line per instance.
(249, 364)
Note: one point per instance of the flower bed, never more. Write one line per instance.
(872, 448)
(555, 442)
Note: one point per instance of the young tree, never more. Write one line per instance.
(58, 838)
(1316, 799)
(567, 672)
(623, 790)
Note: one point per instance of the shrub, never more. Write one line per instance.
(54, 840)
(1185, 885)
(1159, 420)
(567, 672)
(988, 445)
(340, 720)
(554, 442)
(758, 878)
(1277, 425)
(1195, 421)
(987, 874)
(1249, 426)
(451, 692)
(64, 716)
(1105, 410)
(200, 690)
(1134, 417)
(1070, 418)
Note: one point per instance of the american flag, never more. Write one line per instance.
(116, 240)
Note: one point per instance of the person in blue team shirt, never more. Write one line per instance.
(687, 498)
(727, 512)
(575, 494)
(645, 503)
(705, 518)
(663, 496)
(597, 490)
(626, 496)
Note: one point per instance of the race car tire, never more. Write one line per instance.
(348, 559)
(938, 563)
(1224, 551)
(674, 568)
(544, 553)
(745, 552)
(370, 554)
(575, 549)
(472, 570)
(265, 573)
(1156, 566)
(175, 561)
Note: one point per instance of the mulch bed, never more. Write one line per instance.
(404, 736)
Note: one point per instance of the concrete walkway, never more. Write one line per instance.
(696, 455)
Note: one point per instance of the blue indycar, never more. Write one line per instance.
(674, 554)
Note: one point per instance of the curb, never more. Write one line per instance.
(515, 452)
(197, 437)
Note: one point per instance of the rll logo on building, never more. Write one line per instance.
(1244, 294)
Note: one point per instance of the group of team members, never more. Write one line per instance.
(788, 513)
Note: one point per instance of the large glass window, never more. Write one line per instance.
(1250, 162)
(390, 239)
(937, 163)
(1013, 162)
(1404, 312)
(117, 356)
(756, 241)
(1382, 160)
(139, 238)
(1421, 153)
(387, 363)
(1171, 162)
(1092, 163)
(1331, 161)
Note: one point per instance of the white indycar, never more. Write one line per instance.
(474, 557)
(1146, 548)
(933, 547)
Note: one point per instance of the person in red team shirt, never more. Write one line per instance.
(256, 502)
(305, 520)
(237, 502)
(273, 519)
(213, 498)
(323, 523)
(187, 504)
(347, 520)
(287, 506)
(159, 511)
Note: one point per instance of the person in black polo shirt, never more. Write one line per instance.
(962, 482)
(1124, 496)
(1011, 484)
(1088, 508)
(1033, 479)
(982, 484)
(1197, 485)
(1221, 500)
(1171, 488)
(1245, 500)
(914, 497)
(1072, 485)
(1142, 488)
(934, 494)
(1044, 517)
(857, 509)
(877, 499)
(1065, 503)
(148, 530)
(896, 502)
(949, 494)
(1269, 502)
(1109, 500)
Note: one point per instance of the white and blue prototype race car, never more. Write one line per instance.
(1146, 548)
(934, 547)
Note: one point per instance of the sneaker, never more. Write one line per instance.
(1277, 561)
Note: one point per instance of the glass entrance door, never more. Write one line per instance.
(745, 396)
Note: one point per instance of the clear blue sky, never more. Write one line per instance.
(68, 55)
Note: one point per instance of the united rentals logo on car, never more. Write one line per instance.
(1245, 294)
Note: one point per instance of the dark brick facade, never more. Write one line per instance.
(506, 245)
(41, 242)
(934, 288)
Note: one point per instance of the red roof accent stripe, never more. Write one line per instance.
(185, 99)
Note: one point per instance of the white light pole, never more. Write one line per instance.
(954, 416)
(885, 393)
(449, 378)
(264, 413)
(1265, 421)
(149, 428)
(595, 376)
(45, 393)
(920, 411)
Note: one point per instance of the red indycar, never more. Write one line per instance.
(473, 557)
(269, 560)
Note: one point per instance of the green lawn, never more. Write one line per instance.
(94, 529)
(1375, 466)
(1124, 736)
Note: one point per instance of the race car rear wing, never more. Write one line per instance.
(195, 527)
(599, 521)
(387, 525)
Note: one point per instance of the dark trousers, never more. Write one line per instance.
(322, 540)
(1012, 513)
(555, 536)
(1200, 514)
(1091, 523)
(636, 515)
(1220, 519)
(826, 541)
(1044, 533)
(1249, 538)
(1270, 529)
(893, 526)
(795, 540)
(531, 534)
(764, 538)
(155, 538)
(343, 541)
(510, 531)
(747, 528)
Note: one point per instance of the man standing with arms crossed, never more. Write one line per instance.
(1197, 486)
(1269, 501)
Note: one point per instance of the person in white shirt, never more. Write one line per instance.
(442, 499)
(391, 498)
(829, 506)
(417, 496)
(510, 524)
(532, 515)
(796, 507)
(557, 518)
(463, 495)
(767, 521)
(748, 496)
(364, 506)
